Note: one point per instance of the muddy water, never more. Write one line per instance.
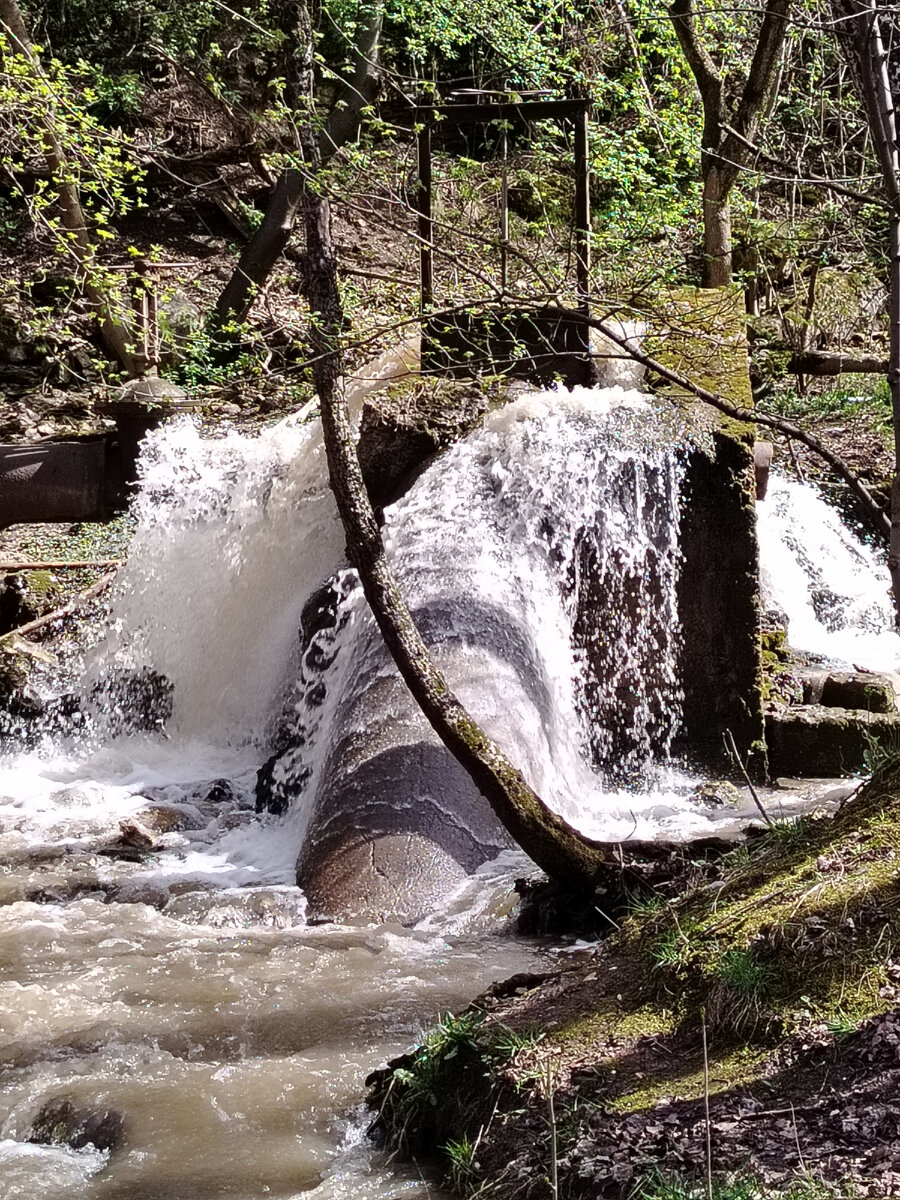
(185, 992)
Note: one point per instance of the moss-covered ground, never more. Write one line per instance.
(769, 990)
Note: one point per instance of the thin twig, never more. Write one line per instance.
(728, 739)
(554, 1149)
(795, 461)
(709, 1179)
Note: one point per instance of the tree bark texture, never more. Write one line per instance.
(859, 26)
(116, 337)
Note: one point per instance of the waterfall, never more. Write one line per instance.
(543, 547)
(489, 547)
(833, 588)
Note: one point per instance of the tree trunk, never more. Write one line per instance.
(716, 228)
(260, 254)
(554, 845)
(271, 239)
(360, 89)
(723, 154)
(115, 336)
(831, 362)
(860, 36)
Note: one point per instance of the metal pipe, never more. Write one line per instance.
(85, 479)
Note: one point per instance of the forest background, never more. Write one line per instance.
(177, 126)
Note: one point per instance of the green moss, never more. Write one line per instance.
(738, 1066)
(812, 916)
(703, 335)
(617, 1020)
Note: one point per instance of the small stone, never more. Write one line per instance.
(718, 792)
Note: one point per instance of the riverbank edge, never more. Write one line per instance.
(592, 1081)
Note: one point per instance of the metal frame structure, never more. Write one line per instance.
(510, 111)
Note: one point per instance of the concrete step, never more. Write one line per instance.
(812, 739)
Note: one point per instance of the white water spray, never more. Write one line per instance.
(832, 587)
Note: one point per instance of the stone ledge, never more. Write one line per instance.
(813, 740)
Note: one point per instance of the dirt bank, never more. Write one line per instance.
(785, 964)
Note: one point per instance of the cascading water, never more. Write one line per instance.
(832, 587)
(489, 547)
(183, 990)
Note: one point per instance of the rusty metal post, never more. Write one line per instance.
(582, 211)
(425, 223)
(504, 209)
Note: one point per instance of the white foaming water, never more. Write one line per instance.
(512, 508)
(236, 532)
(832, 587)
(184, 990)
(488, 547)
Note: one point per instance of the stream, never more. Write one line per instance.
(155, 960)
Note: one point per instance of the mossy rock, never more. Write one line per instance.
(25, 596)
(806, 920)
(814, 740)
(405, 425)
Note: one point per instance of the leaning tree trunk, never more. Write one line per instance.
(261, 253)
(359, 90)
(555, 846)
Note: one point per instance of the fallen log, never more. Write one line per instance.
(829, 362)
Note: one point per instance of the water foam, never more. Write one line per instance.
(833, 588)
(236, 532)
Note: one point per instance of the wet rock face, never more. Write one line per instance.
(403, 427)
(850, 689)
(62, 1122)
(718, 605)
(133, 701)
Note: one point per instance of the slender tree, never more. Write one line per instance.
(724, 150)
(358, 89)
(81, 246)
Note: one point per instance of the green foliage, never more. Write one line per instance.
(47, 103)
(881, 751)
(867, 395)
(659, 1186)
(671, 950)
(842, 1024)
(461, 1159)
(740, 970)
